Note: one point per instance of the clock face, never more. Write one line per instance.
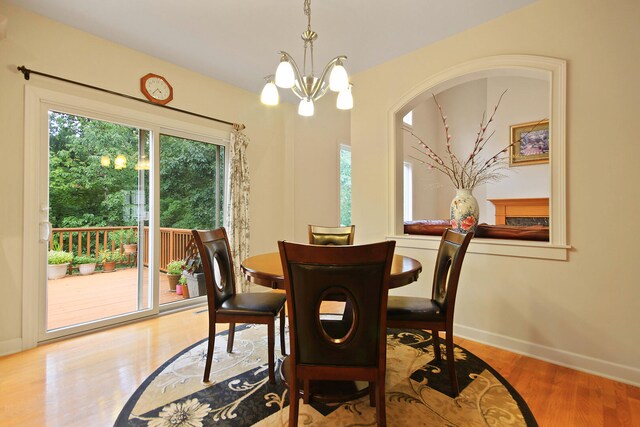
(156, 89)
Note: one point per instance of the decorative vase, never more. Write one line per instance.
(179, 289)
(464, 211)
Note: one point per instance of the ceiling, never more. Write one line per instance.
(237, 41)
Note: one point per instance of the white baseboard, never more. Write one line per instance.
(10, 346)
(614, 371)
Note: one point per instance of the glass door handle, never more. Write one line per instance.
(45, 231)
(45, 225)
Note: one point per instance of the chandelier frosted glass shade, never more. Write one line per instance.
(338, 79)
(285, 77)
(269, 95)
(345, 99)
(306, 108)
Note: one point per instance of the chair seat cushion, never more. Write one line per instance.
(256, 304)
(413, 309)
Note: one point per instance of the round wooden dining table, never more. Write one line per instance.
(266, 270)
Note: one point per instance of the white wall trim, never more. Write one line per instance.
(479, 245)
(551, 69)
(579, 362)
(31, 277)
(10, 346)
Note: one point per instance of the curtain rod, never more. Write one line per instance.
(27, 75)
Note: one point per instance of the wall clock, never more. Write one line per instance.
(156, 89)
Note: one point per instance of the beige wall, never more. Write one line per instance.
(52, 48)
(316, 172)
(583, 311)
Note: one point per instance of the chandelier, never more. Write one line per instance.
(305, 86)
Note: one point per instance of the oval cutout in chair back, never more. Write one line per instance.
(337, 328)
(218, 272)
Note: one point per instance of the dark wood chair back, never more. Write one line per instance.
(436, 313)
(225, 306)
(353, 347)
(453, 247)
(217, 264)
(338, 236)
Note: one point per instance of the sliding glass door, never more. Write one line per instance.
(111, 196)
(98, 211)
(192, 184)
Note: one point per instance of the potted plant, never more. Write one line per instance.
(108, 259)
(192, 270)
(58, 263)
(174, 270)
(86, 264)
(181, 287)
(125, 238)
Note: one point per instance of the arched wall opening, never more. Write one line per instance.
(485, 78)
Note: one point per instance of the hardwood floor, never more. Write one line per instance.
(85, 381)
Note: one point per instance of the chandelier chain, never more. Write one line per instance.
(307, 11)
(308, 43)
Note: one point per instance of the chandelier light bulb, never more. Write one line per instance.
(285, 77)
(345, 99)
(305, 108)
(338, 79)
(120, 162)
(105, 161)
(269, 95)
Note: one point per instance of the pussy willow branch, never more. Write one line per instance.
(469, 174)
(480, 139)
(435, 158)
(430, 165)
(455, 163)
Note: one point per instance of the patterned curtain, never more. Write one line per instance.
(238, 204)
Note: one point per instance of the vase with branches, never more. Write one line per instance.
(467, 172)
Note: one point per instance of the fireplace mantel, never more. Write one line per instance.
(520, 208)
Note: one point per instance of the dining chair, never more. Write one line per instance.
(435, 313)
(331, 350)
(227, 306)
(321, 235)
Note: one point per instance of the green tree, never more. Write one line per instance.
(82, 193)
(190, 173)
(345, 186)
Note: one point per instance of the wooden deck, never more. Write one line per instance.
(79, 299)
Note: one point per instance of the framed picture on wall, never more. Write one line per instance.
(530, 143)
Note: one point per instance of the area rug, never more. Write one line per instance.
(417, 390)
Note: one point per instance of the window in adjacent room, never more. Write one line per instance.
(408, 118)
(345, 184)
(408, 192)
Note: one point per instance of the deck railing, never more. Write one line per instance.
(92, 240)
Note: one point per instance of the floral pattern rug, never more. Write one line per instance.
(417, 390)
